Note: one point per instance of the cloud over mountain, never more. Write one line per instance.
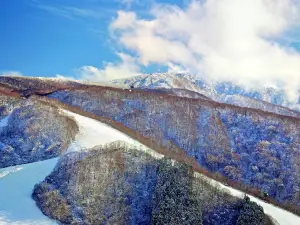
(247, 42)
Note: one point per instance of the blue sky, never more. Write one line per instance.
(39, 41)
(250, 42)
(45, 38)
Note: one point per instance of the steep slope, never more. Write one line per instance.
(259, 151)
(269, 99)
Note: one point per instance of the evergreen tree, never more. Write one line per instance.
(173, 201)
(251, 213)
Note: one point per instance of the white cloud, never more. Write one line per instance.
(126, 68)
(11, 73)
(230, 40)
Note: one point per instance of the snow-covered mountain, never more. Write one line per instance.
(267, 99)
(252, 150)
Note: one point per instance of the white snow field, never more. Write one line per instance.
(16, 205)
(93, 133)
(16, 183)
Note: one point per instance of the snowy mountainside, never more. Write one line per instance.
(251, 149)
(13, 215)
(232, 141)
(270, 99)
(65, 167)
(162, 80)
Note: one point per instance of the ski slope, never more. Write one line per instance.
(93, 133)
(16, 205)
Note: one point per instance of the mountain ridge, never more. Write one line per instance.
(218, 91)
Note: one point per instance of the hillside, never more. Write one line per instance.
(250, 149)
(31, 131)
(254, 148)
(132, 187)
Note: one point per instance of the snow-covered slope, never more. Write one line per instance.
(16, 205)
(93, 133)
(159, 80)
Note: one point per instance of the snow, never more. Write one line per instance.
(280, 216)
(93, 133)
(16, 185)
